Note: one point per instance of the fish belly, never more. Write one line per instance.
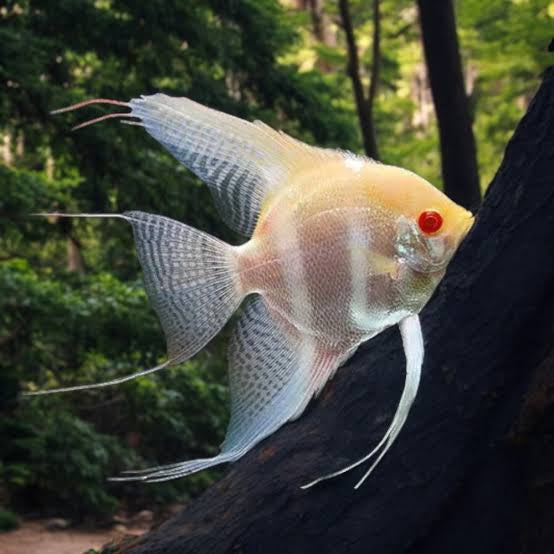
(318, 274)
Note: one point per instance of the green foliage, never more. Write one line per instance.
(504, 51)
(51, 448)
(506, 43)
(8, 520)
(86, 329)
(72, 307)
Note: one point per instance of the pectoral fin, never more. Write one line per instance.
(412, 339)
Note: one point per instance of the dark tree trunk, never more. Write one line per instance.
(375, 59)
(472, 469)
(364, 106)
(321, 23)
(458, 152)
(74, 259)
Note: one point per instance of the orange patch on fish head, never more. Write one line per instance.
(429, 225)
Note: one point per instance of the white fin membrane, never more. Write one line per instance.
(218, 148)
(412, 340)
(241, 162)
(274, 372)
(191, 280)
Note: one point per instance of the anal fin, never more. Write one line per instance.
(274, 372)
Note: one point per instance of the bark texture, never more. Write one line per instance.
(458, 152)
(472, 469)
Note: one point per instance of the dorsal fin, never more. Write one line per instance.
(240, 161)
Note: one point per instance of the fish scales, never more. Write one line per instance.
(340, 248)
(309, 233)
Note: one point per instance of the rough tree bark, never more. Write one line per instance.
(472, 469)
(458, 153)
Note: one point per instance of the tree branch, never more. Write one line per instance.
(375, 58)
(363, 108)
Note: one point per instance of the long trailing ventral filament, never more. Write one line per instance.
(282, 352)
(95, 101)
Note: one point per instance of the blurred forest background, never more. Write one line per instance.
(72, 306)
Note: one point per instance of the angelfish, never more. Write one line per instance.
(340, 248)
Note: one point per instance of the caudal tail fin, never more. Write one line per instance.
(191, 280)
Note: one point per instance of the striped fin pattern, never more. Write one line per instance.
(273, 376)
(190, 279)
(240, 161)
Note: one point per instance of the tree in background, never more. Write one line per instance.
(499, 87)
(364, 101)
(458, 150)
(72, 307)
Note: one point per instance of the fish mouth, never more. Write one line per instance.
(466, 225)
(439, 251)
(453, 241)
(430, 254)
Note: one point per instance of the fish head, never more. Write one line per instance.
(429, 228)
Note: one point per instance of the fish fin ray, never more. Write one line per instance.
(110, 383)
(190, 278)
(274, 372)
(412, 340)
(174, 471)
(240, 161)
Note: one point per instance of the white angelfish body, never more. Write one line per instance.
(341, 248)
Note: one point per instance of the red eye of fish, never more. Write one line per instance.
(430, 221)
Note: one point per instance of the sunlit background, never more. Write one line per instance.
(72, 306)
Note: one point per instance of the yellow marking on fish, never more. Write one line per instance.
(339, 248)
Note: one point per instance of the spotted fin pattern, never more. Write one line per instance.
(274, 372)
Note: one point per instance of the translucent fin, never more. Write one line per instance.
(412, 340)
(240, 161)
(274, 372)
(117, 381)
(190, 278)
